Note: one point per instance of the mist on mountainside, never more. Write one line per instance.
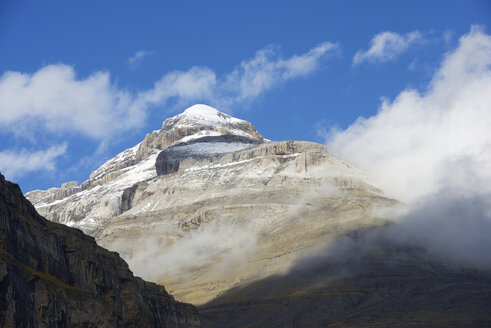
(431, 150)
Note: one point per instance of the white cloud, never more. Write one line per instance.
(198, 248)
(386, 46)
(54, 100)
(432, 150)
(195, 84)
(16, 164)
(135, 60)
(244, 84)
(265, 71)
(405, 143)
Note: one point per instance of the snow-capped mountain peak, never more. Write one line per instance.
(208, 115)
(138, 163)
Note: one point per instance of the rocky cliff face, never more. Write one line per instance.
(55, 276)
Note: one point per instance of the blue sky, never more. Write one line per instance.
(82, 81)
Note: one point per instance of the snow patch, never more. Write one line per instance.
(212, 148)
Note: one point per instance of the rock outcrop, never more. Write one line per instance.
(199, 152)
(196, 122)
(56, 276)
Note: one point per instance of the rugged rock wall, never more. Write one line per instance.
(55, 276)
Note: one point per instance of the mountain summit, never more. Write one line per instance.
(99, 198)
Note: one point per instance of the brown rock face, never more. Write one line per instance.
(129, 195)
(55, 276)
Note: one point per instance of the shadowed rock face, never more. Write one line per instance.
(55, 276)
(381, 285)
(169, 160)
(129, 195)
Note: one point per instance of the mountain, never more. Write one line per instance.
(263, 233)
(52, 275)
(206, 203)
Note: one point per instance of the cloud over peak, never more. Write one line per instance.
(386, 46)
(432, 150)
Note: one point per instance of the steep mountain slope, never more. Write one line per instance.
(55, 276)
(362, 284)
(221, 206)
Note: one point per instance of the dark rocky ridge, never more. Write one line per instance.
(55, 276)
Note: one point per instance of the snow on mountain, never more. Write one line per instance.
(206, 115)
(99, 198)
(208, 181)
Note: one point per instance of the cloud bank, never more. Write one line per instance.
(386, 46)
(432, 150)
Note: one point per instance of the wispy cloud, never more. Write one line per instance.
(386, 46)
(267, 70)
(16, 164)
(432, 151)
(135, 60)
(55, 100)
(244, 84)
(196, 249)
